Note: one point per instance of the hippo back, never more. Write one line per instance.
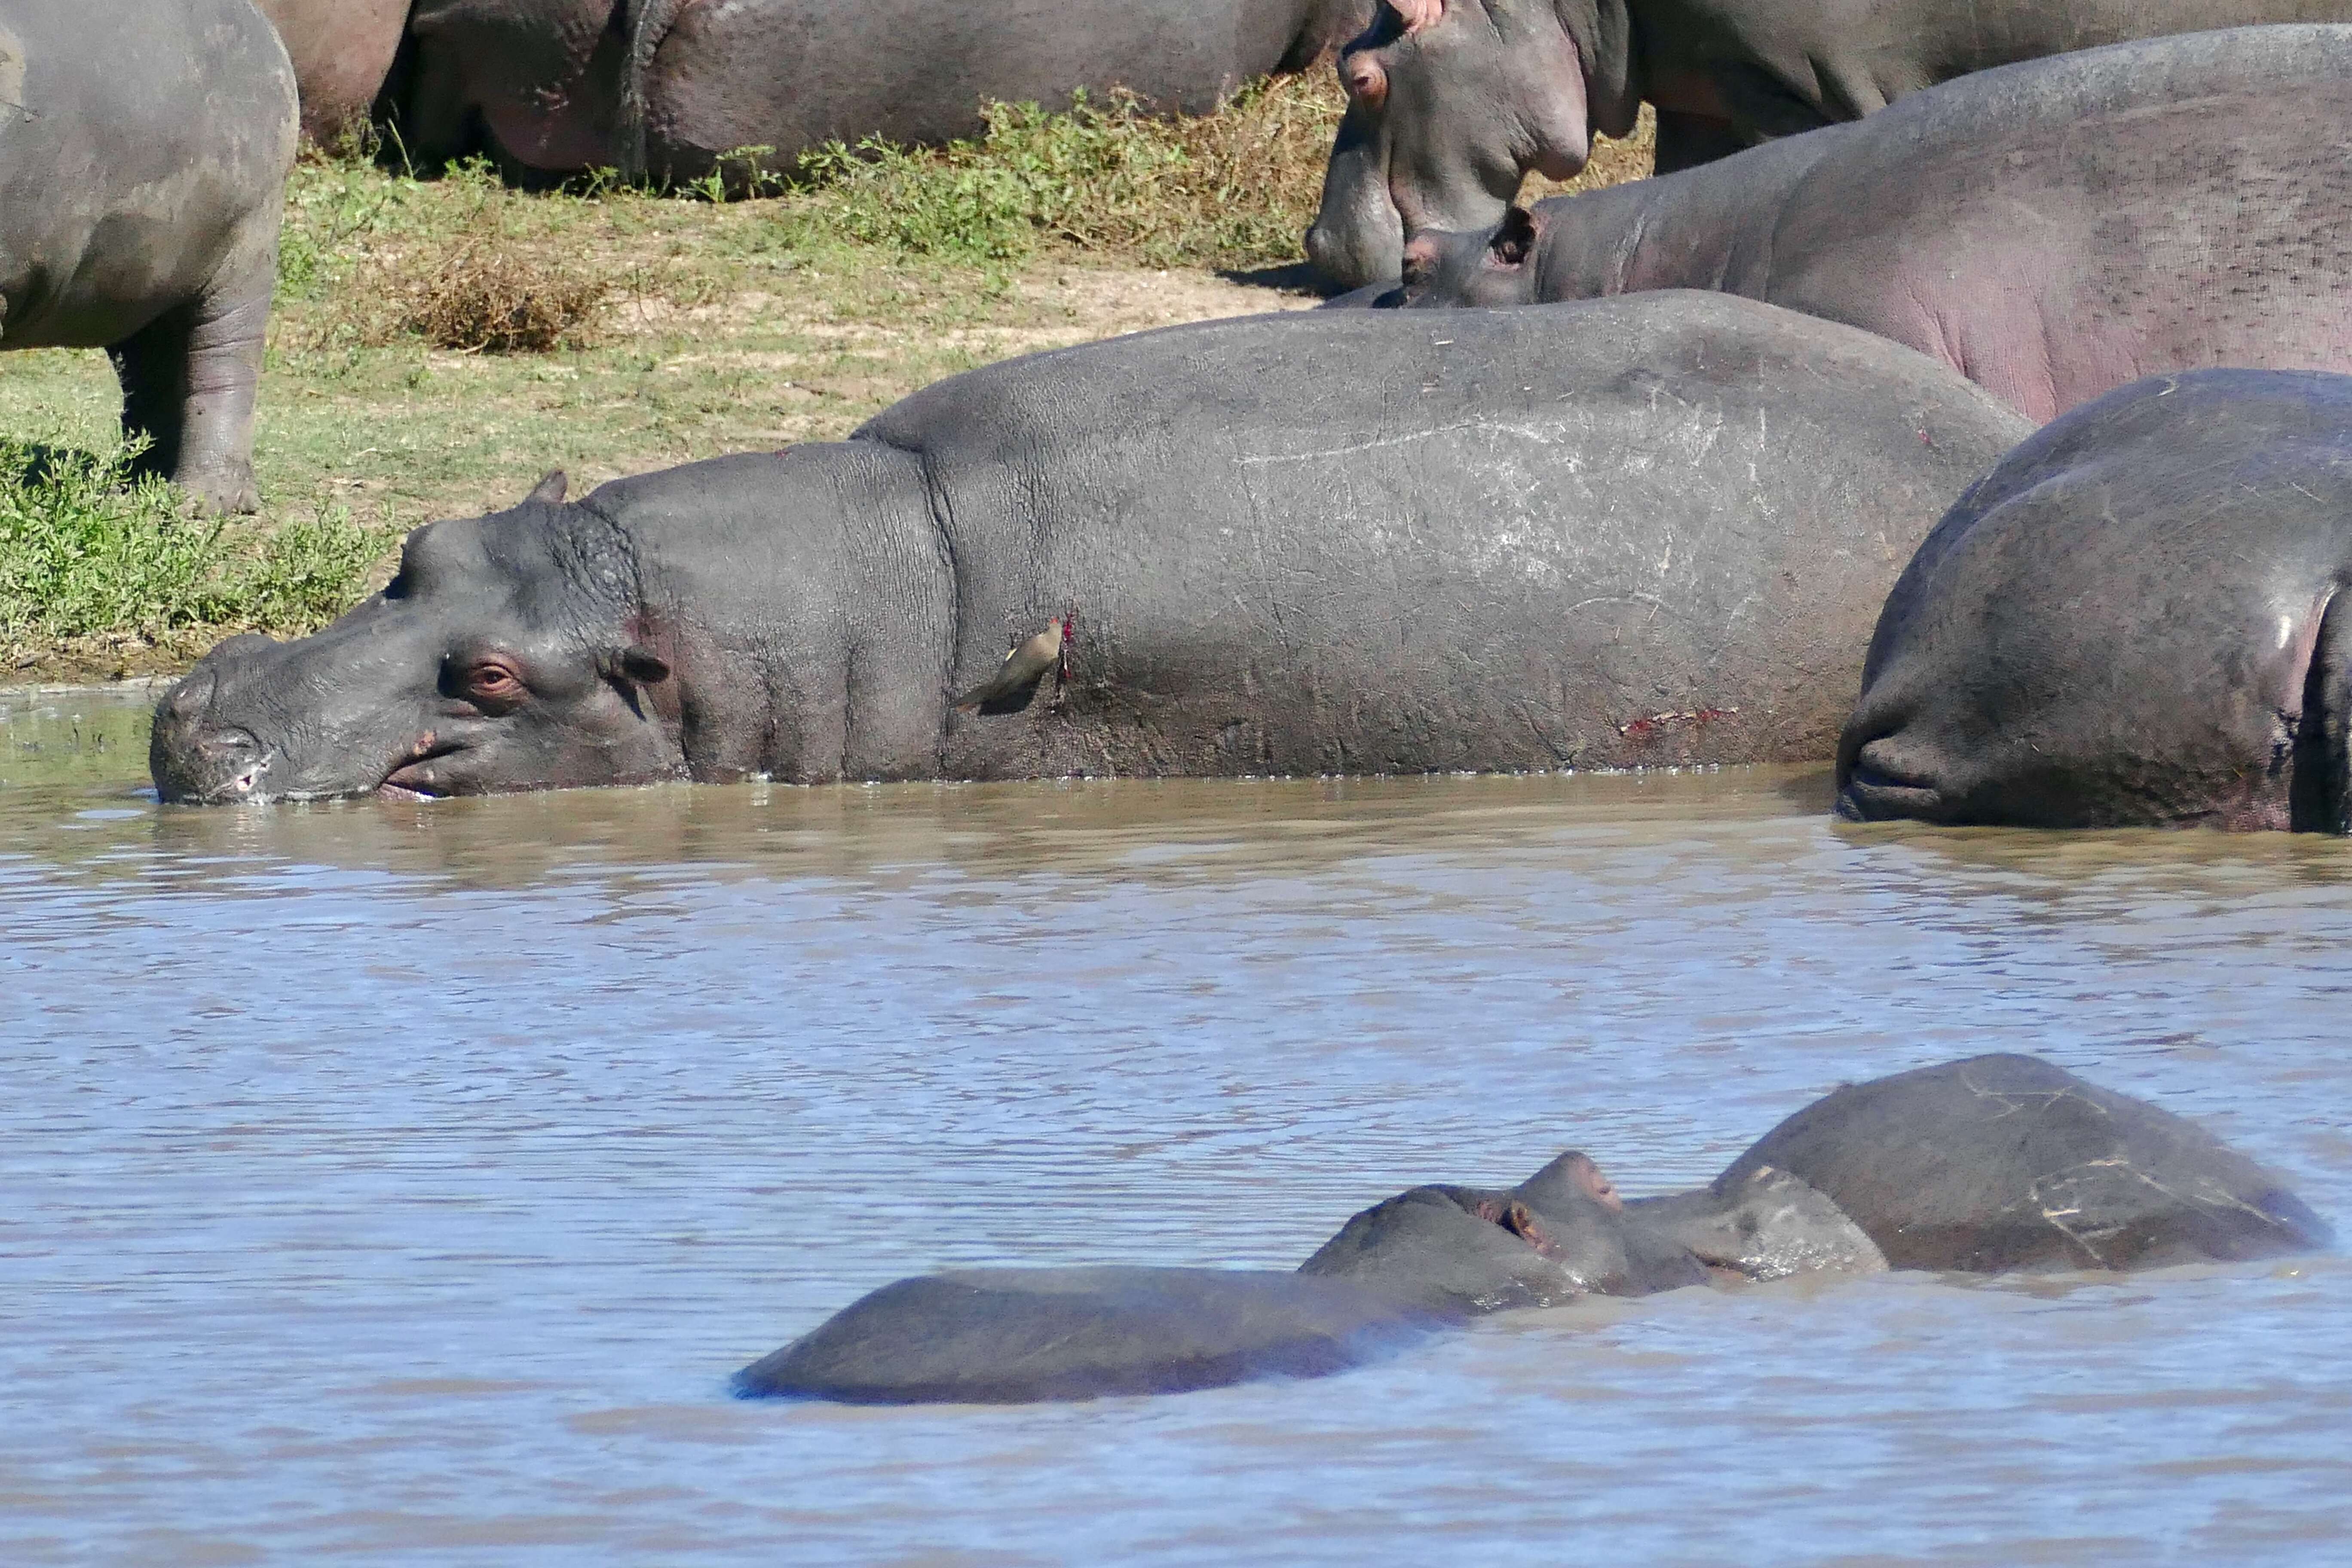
(2006, 1162)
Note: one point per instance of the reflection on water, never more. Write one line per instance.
(404, 1180)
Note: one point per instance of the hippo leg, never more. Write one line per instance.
(189, 379)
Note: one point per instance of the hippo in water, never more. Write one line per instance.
(666, 87)
(2137, 619)
(1994, 1163)
(1451, 103)
(2050, 230)
(143, 151)
(1651, 529)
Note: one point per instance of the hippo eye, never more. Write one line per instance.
(492, 683)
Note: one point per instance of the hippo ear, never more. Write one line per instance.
(1515, 238)
(550, 489)
(1418, 13)
(1419, 259)
(642, 665)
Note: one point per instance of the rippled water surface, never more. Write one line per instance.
(404, 1181)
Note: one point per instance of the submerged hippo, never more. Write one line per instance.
(1651, 529)
(143, 152)
(2050, 230)
(2138, 618)
(1993, 1164)
(1452, 102)
(666, 87)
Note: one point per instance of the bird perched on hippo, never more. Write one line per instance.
(143, 152)
(1644, 530)
(2051, 229)
(1988, 1164)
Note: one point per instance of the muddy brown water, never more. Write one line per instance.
(402, 1181)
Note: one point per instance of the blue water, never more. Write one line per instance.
(403, 1182)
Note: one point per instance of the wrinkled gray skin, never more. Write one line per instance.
(2137, 619)
(1560, 1235)
(553, 86)
(1444, 123)
(342, 51)
(143, 152)
(2051, 229)
(1653, 529)
(2001, 1162)
(1013, 1335)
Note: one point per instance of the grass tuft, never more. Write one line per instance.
(86, 549)
(491, 295)
(1232, 189)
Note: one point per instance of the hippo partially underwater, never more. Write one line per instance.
(1644, 530)
(1994, 1162)
(2139, 619)
(2051, 229)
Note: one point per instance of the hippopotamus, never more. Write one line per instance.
(2135, 619)
(1009, 1336)
(666, 87)
(143, 152)
(2050, 229)
(1452, 102)
(343, 50)
(2003, 1162)
(1990, 1165)
(1641, 531)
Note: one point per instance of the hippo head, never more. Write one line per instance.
(1444, 269)
(498, 659)
(1450, 103)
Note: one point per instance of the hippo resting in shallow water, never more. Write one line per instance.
(2138, 618)
(143, 151)
(1992, 1164)
(2051, 229)
(1651, 529)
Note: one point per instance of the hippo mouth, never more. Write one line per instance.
(415, 777)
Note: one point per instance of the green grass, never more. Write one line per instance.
(85, 550)
(710, 326)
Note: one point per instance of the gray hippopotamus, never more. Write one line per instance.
(2050, 229)
(143, 152)
(1990, 1165)
(666, 87)
(343, 50)
(1452, 102)
(2005, 1162)
(1651, 529)
(2138, 618)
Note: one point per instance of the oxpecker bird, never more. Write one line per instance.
(1026, 664)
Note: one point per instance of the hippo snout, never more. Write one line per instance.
(195, 759)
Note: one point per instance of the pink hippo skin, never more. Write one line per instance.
(2052, 230)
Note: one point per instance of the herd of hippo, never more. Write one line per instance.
(1753, 436)
(1993, 363)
